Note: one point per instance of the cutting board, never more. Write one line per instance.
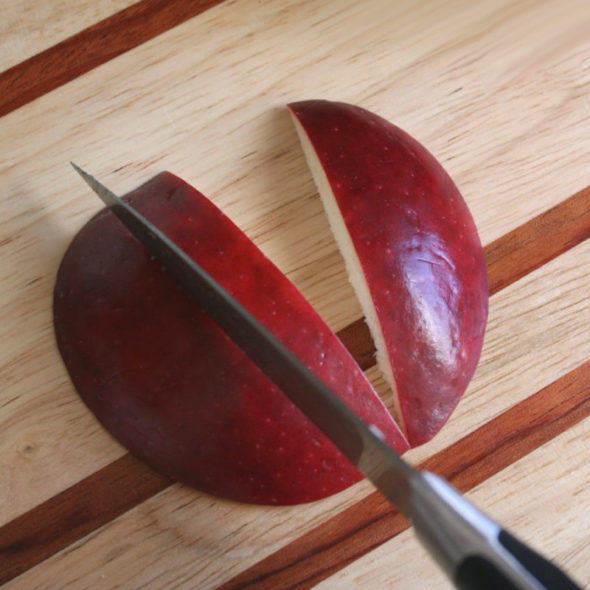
(496, 89)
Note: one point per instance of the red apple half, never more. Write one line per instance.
(412, 253)
(171, 386)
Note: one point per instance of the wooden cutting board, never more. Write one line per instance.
(498, 90)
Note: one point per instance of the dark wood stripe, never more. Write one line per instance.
(92, 47)
(82, 508)
(354, 532)
(538, 241)
(74, 513)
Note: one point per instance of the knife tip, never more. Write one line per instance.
(76, 167)
(89, 179)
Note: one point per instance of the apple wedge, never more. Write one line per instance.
(412, 253)
(171, 386)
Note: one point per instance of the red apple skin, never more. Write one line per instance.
(171, 386)
(419, 250)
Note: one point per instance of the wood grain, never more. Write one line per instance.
(58, 522)
(28, 27)
(467, 463)
(92, 47)
(182, 537)
(497, 90)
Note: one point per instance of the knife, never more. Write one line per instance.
(474, 551)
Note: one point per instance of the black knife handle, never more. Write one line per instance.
(479, 573)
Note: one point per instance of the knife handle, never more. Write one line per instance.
(475, 551)
(479, 573)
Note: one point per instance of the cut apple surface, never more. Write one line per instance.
(171, 386)
(412, 253)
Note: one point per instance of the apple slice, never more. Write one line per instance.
(412, 253)
(171, 386)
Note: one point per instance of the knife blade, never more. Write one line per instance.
(472, 549)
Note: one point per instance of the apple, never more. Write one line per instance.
(412, 253)
(171, 386)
